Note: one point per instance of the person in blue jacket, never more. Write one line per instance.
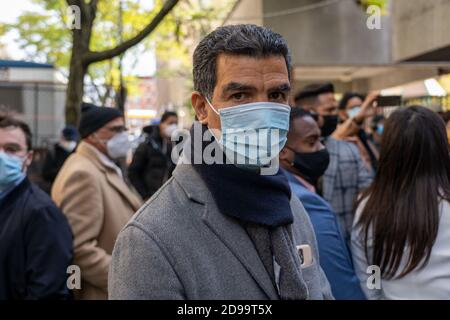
(35, 237)
(304, 160)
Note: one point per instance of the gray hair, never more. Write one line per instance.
(243, 39)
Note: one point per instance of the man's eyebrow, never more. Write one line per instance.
(235, 86)
(12, 144)
(285, 87)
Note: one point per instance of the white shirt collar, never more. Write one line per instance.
(105, 160)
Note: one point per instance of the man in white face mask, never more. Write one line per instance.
(92, 193)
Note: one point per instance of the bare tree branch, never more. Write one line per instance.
(94, 56)
(106, 95)
(97, 90)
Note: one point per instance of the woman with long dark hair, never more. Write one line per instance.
(402, 222)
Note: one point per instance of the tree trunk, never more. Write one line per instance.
(75, 90)
(78, 65)
(82, 57)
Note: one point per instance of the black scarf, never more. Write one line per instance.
(262, 204)
(245, 194)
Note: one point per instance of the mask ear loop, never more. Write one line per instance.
(24, 160)
(211, 106)
(213, 109)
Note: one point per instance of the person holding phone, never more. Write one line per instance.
(350, 107)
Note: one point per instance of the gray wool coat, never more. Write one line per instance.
(179, 246)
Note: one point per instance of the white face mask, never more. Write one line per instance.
(118, 146)
(353, 111)
(69, 146)
(169, 130)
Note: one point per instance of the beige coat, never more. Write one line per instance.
(98, 204)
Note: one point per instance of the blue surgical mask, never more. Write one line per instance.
(254, 133)
(380, 129)
(10, 170)
(353, 112)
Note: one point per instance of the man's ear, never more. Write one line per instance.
(93, 141)
(89, 139)
(320, 121)
(284, 157)
(28, 160)
(200, 106)
(284, 154)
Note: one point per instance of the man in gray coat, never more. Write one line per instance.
(226, 229)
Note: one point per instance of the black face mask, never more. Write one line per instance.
(330, 123)
(311, 165)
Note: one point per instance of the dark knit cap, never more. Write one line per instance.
(70, 133)
(94, 117)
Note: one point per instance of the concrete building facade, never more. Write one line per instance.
(31, 92)
(330, 40)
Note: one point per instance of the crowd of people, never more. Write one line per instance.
(353, 190)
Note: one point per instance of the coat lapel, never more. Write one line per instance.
(234, 236)
(116, 182)
(111, 176)
(227, 229)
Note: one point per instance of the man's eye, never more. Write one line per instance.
(11, 150)
(276, 96)
(238, 96)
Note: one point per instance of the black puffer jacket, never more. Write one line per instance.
(53, 162)
(151, 165)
